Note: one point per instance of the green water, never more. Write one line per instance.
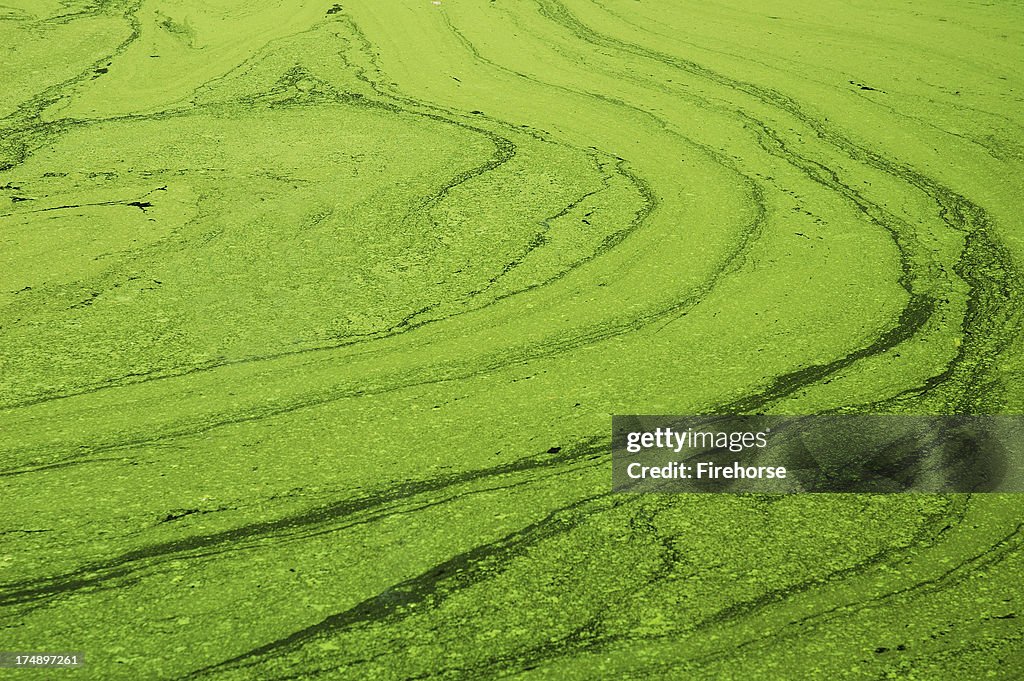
(313, 319)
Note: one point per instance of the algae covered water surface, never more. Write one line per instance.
(313, 318)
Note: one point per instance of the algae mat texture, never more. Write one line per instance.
(313, 317)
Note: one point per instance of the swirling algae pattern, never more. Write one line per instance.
(313, 316)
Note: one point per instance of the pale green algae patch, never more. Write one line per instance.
(312, 318)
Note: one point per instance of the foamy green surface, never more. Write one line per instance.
(312, 320)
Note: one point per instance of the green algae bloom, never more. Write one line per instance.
(313, 318)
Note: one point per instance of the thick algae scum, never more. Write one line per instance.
(313, 317)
